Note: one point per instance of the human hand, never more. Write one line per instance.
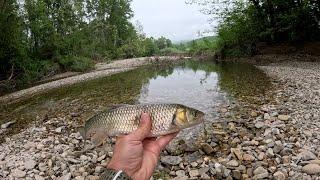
(137, 155)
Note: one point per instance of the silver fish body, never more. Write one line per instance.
(166, 119)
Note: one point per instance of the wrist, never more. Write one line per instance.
(116, 166)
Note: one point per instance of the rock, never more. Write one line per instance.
(93, 177)
(316, 161)
(253, 114)
(237, 152)
(171, 160)
(7, 125)
(283, 117)
(259, 170)
(30, 164)
(180, 173)
(58, 130)
(261, 176)
(205, 176)
(194, 173)
(223, 110)
(279, 175)
(98, 169)
(248, 157)
(101, 157)
(226, 172)
(236, 174)
(306, 155)
(286, 159)
(37, 177)
(203, 170)
(18, 173)
(270, 152)
(192, 157)
(42, 167)
(207, 148)
(259, 124)
(66, 177)
(266, 116)
(278, 147)
(194, 164)
(260, 173)
(311, 169)
(233, 163)
(181, 178)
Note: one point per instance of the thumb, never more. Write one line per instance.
(144, 128)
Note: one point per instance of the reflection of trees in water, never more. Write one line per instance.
(243, 80)
(238, 79)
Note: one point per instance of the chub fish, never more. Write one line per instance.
(124, 119)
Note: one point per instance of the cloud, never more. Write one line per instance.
(173, 19)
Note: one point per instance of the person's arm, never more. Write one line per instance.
(135, 154)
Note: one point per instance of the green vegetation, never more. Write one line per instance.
(40, 38)
(245, 23)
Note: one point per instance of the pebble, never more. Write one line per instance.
(283, 117)
(237, 152)
(37, 177)
(30, 164)
(180, 173)
(233, 163)
(279, 176)
(306, 155)
(7, 125)
(194, 173)
(248, 157)
(311, 169)
(171, 160)
(207, 148)
(66, 177)
(18, 173)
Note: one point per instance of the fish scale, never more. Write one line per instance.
(166, 119)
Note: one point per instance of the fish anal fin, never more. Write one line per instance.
(99, 138)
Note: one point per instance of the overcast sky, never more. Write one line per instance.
(170, 18)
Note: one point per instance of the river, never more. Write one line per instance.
(200, 84)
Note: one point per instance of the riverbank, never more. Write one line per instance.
(277, 139)
(101, 70)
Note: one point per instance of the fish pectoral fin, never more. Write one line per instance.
(98, 138)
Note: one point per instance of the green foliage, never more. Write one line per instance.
(171, 51)
(75, 63)
(244, 23)
(40, 35)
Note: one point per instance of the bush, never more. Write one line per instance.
(75, 63)
(170, 51)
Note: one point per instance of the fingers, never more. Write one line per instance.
(164, 140)
(144, 128)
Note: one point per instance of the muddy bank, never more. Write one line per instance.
(101, 70)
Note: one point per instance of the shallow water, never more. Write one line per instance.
(202, 85)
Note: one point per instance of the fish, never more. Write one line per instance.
(124, 119)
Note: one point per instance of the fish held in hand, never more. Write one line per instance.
(124, 119)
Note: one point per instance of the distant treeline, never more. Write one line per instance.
(242, 24)
(40, 38)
